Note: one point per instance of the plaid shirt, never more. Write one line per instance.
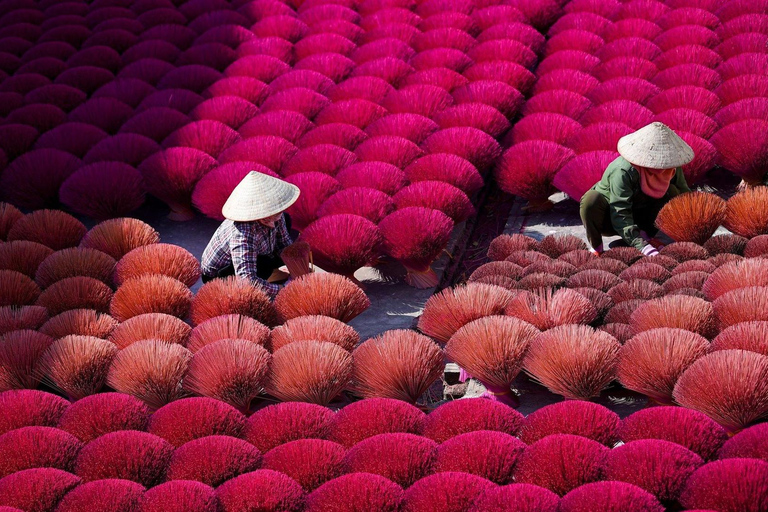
(239, 244)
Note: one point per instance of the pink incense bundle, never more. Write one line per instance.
(343, 135)
(731, 484)
(305, 78)
(491, 455)
(692, 217)
(368, 203)
(15, 318)
(628, 112)
(561, 463)
(446, 167)
(504, 245)
(343, 243)
(233, 295)
(230, 370)
(742, 87)
(315, 188)
(30, 447)
(415, 236)
(568, 59)
(555, 354)
(547, 308)
(623, 88)
(211, 137)
(688, 74)
(549, 126)
(36, 489)
(598, 137)
(741, 372)
(377, 175)
(390, 149)
(128, 455)
(629, 47)
(689, 34)
(186, 419)
(102, 413)
(577, 176)
(504, 98)
(610, 496)
(576, 417)
(398, 364)
(446, 312)
(233, 111)
(355, 111)
(660, 467)
(574, 39)
(130, 148)
(171, 176)
(620, 67)
(461, 416)
(150, 370)
(642, 368)
(744, 156)
(285, 126)
(744, 213)
(413, 127)
(117, 237)
(367, 418)
(53, 228)
(705, 159)
(155, 123)
(436, 195)
(24, 184)
(309, 371)
(321, 294)
(568, 79)
(527, 169)
(389, 69)
(20, 354)
(475, 115)
(310, 462)
(400, 457)
(314, 327)
(368, 88)
(324, 158)
(107, 493)
(492, 349)
(23, 256)
(446, 491)
(362, 491)
(685, 96)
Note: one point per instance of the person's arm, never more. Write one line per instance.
(620, 203)
(283, 238)
(245, 251)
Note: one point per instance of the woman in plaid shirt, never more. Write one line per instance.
(248, 243)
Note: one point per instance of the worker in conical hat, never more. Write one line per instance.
(248, 243)
(635, 186)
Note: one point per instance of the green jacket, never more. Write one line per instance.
(620, 185)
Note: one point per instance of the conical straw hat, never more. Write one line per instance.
(259, 196)
(655, 146)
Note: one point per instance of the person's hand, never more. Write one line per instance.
(649, 250)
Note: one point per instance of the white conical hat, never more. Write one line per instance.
(259, 196)
(655, 146)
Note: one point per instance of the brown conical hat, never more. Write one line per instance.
(259, 196)
(655, 146)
